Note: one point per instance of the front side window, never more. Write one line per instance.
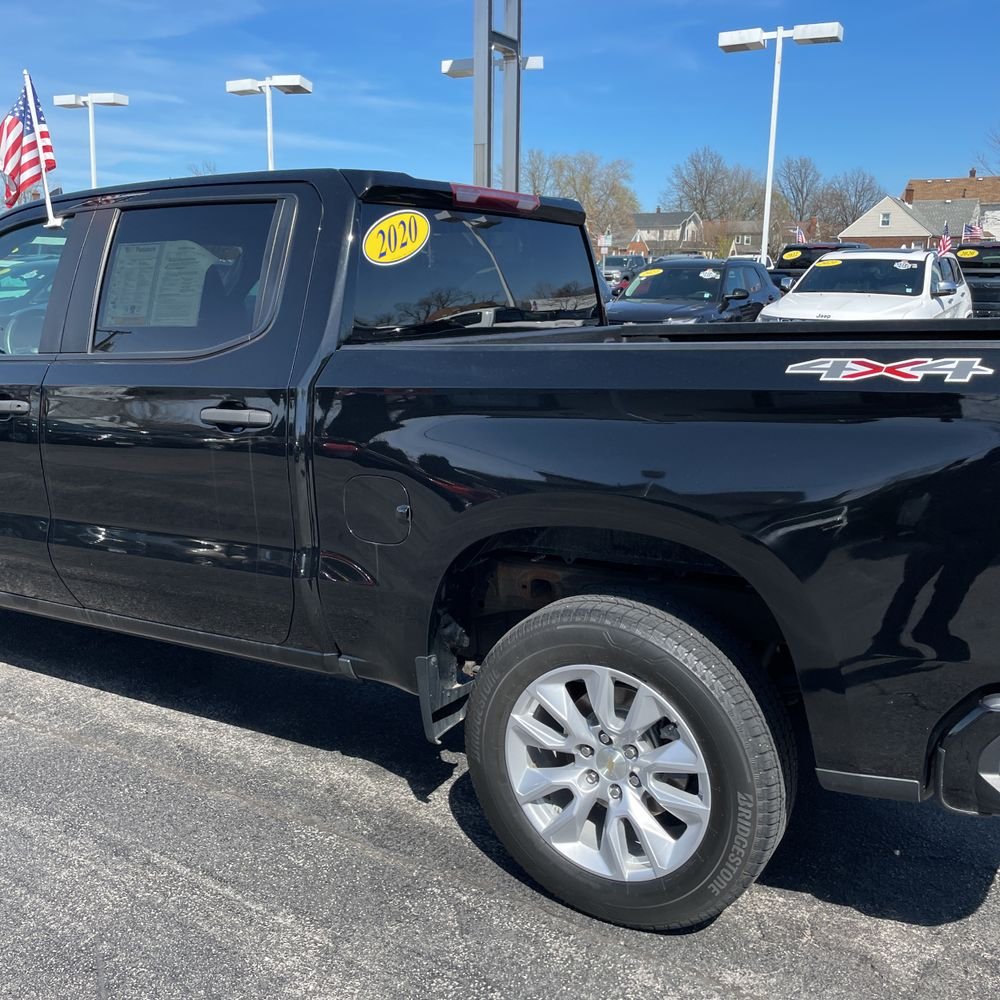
(29, 258)
(448, 271)
(183, 278)
(937, 275)
(734, 279)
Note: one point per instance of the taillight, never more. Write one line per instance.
(469, 194)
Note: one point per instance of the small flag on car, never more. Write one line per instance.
(971, 231)
(944, 244)
(25, 145)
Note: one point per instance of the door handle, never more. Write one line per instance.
(10, 406)
(236, 418)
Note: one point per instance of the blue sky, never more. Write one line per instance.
(643, 81)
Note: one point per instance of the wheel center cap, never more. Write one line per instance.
(612, 764)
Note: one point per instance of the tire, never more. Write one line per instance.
(628, 765)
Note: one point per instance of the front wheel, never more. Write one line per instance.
(626, 762)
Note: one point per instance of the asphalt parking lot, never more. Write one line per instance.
(182, 825)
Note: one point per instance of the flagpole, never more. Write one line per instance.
(53, 222)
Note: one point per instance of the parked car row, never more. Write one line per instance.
(841, 282)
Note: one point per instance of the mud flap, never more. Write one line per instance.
(443, 701)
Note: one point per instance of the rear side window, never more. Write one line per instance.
(184, 278)
(427, 272)
(29, 258)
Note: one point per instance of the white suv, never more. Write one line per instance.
(876, 284)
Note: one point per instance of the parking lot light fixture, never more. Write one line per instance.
(89, 101)
(288, 83)
(751, 39)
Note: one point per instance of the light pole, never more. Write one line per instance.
(287, 84)
(507, 44)
(88, 101)
(751, 39)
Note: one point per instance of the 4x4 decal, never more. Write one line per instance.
(912, 370)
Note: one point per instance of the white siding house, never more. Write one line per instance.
(891, 221)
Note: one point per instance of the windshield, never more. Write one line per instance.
(617, 261)
(26, 278)
(801, 257)
(696, 284)
(874, 277)
(979, 257)
(439, 272)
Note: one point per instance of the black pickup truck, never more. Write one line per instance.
(794, 259)
(981, 267)
(378, 427)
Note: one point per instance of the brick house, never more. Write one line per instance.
(986, 189)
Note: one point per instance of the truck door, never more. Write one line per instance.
(36, 272)
(165, 430)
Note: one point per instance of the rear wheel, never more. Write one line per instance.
(627, 763)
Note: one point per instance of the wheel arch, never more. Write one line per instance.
(620, 523)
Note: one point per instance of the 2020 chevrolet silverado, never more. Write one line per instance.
(378, 427)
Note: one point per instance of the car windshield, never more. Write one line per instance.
(699, 284)
(25, 278)
(873, 277)
(979, 257)
(798, 258)
(616, 261)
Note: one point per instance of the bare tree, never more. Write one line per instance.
(203, 169)
(741, 195)
(989, 159)
(846, 197)
(536, 172)
(697, 183)
(799, 180)
(714, 189)
(603, 187)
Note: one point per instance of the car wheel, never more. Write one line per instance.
(627, 763)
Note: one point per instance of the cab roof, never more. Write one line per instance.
(367, 185)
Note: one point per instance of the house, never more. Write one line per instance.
(662, 232)
(986, 189)
(989, 219)
(894, 222)
(726, 237)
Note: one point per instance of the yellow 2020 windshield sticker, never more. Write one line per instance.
(396, 237)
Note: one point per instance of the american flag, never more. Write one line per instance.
(971, 231)
(20, 162)
(944, 244)
(800, 237)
